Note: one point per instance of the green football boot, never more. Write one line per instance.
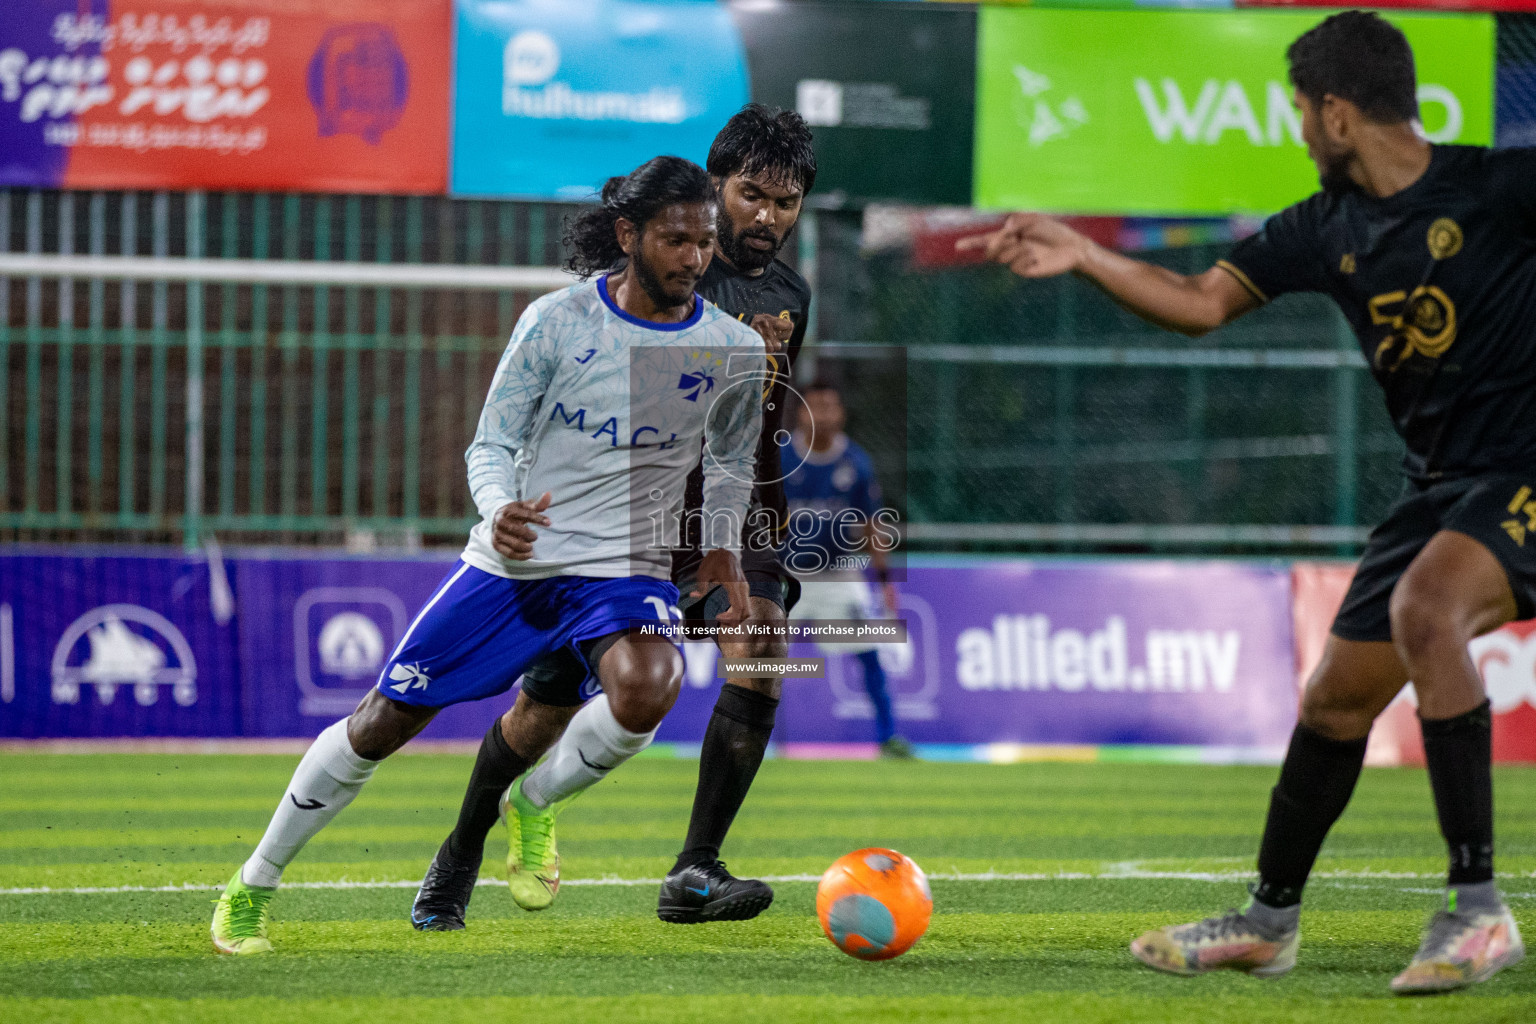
(240, 918)
(533, 860)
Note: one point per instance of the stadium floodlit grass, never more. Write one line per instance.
(1111, 849)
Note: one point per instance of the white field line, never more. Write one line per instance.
(612, 880)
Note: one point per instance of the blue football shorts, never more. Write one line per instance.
(479, 631)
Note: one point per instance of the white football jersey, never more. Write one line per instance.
(607, 412)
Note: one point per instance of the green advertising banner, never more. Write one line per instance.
(1180, 112)
(889, 90)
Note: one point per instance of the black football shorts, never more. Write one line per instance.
(766, 578)
(1496, 510)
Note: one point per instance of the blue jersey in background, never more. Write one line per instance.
(831, 495)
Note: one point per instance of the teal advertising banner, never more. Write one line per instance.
(889, 90)
(552, 97)
(1180, 112)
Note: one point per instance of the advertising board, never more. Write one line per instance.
(1082, 653)
(553, 97)
(998, 652)
(1506, 658)
(115, 645)
(340, 95)
(888, 89)
(1180, 112)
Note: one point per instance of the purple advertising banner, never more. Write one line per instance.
(999, 652)
(1128, 652)
(315, 633)
(116, 645)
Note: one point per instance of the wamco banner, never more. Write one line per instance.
(1180, 112)
(553, 97)
(325, 95)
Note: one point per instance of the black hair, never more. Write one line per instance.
(637, 197)
(763, 140)
(1361, 57)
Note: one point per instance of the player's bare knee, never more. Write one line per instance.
(767, 647)
(642, 683)
(768, 644)
(640, 706)
(380, 726)
(755, 647)
(1337, 714)
(763, 645)
(1425, 623)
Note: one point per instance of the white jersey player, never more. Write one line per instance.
(595, 417)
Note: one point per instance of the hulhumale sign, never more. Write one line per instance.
(552, 97)
(1197, 102)
(344, 95)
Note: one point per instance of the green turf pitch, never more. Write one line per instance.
(1113, 849)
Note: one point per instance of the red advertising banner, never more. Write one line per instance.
(320, 95)
(1506, 658)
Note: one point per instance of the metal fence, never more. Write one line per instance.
(1042, 416)
(319, 378)
(309, 369)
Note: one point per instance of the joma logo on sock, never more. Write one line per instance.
(410, 677)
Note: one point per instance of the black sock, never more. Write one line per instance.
(733, 749)
(1459, 753)
(1316, 782)
(495, 767)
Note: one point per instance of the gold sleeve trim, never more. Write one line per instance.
(1243, 279)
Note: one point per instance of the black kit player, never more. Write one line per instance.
(762, 165)
(1430, 252)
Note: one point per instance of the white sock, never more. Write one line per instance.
(594, 744)
(330, 775)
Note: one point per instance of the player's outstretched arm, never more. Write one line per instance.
(1033, 245)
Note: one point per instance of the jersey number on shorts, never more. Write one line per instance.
(665, 612)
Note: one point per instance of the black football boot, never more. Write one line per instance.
(444, 894)
(707, 892)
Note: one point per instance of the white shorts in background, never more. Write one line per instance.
(836, 599)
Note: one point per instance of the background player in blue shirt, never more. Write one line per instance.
(833, 499)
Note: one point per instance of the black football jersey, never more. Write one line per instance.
(777, 291)
(1438, 282)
